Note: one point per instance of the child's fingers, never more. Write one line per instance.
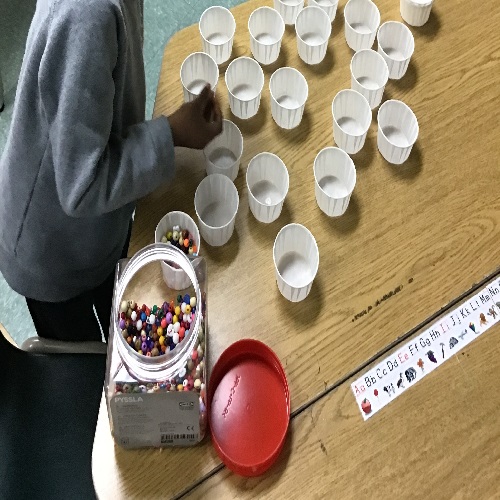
(204, 97)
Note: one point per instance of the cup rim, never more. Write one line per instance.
(298, 2)
(325, 16)
(381, 130)
(302, 227)
(346, 11)
(351, 163)
(332, 3)
(200, 54)
(296, 71)
(220, 8)
(282, 25)
(408, 31)
(235, 212)
(282, 163)
(261, 73)
(235, 127)
(378, 56)
(367, 103)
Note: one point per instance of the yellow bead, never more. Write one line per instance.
(162, 340)
(140, 351)
(188, 309)
(159, 331)
(177, 311)
(180, 387)
(175, 319)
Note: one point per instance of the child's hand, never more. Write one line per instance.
(197, 122)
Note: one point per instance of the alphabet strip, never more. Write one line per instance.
(424, 353)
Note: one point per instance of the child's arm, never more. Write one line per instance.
(97, 172)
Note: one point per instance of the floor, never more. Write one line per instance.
(162, 20)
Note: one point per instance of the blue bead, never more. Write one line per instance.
(187, 298)
(148, 328)
(143, 317)
(158, 322)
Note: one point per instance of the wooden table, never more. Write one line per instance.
(413, 239)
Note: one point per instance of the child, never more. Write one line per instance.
(79, 155)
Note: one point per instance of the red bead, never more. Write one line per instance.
(123, 316)
(194, 355)
(182, 331)
(186, 388)
(154, 328)
(143, 307)
(164, 323)
(148, 311)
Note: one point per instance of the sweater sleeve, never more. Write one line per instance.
(96, 171)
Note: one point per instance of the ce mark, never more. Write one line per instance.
(190, 427)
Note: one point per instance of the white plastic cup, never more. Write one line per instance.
(175, 278)
(216, 203)
(335, 178)
(362, 19)
(223, 154)
(369, 75)
(313, 28)
(266, 29)
(289, 91)
(397, 131)
(244, 81)
(396, 45)
(197, 70)
(351, 119)
(329, 6)
(415, 12)
(289, 9)
(267, 184)
(296, 261)
(217, 27)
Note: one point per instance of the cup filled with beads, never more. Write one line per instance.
(223, 154)
(216, 202)
(267, 184)
(335, 178)
(244, 81)
(156, 352)
(266, 28)
(178, 229)
(329, 6)
(217, 27)
(352, 116)
(197, 70)
(289, 9)
(289, 91)
(313, 28)
(296, 261)
(362, 19)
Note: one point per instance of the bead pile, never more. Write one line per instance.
(182, 239)
(157, 330)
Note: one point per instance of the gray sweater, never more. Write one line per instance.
(79, 153)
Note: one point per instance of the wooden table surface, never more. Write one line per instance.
(413, 239)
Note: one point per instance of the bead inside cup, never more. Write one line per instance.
(197, 70)
(266, 28)
(223, 154)
(267, 183)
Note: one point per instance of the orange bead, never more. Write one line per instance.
(163, 349)
(195, 249)
(186, 243)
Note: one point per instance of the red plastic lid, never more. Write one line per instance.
(248, 407)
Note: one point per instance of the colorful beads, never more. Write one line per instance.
(182, 239)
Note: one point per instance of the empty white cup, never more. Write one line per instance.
(197, 70)
(351, 119)
(396, 46)
(329, 6)
(289, 90)
(216, 203)
(369, 75)
(223, 154)
(335, 178)
(397, 131)
(415, 12)
(313, 28)
(362, 19)
(296, 261)
(244, 81)
(217, 27)
(176, 278)
(289, 9)
(267, 184)
(266, 29)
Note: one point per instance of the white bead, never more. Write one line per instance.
(183, 308)
(124, 306)
(175, 337)
(139, 325)
(177, 327)
(185, 318)
(182, 372)
(200, 351)
(192, 302)
(197, 383)
(202, 365)
(133, 316)
(185, 382)
(190, 319)
(164, 239)
(176, 228)
(152, 319)
(170, 330)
